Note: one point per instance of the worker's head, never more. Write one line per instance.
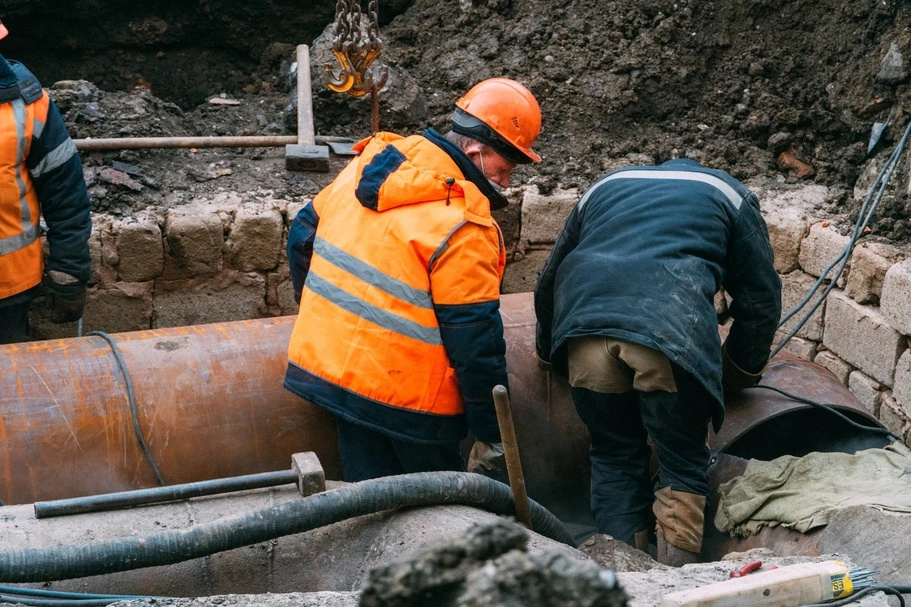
(504, 120)
(3, 31)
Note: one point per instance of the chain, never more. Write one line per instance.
(355, 54)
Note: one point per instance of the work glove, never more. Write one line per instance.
(487, 459)
(733, 378)
(64, 296)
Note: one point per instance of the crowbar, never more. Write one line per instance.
(511, 451)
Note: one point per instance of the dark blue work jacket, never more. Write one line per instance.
(641, 257)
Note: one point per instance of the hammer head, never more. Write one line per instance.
(300, 157)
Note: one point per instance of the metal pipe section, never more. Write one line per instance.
(209, 398)
(168, 493)
(238, 141)
(211, 405)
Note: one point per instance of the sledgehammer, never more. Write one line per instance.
(305, 155)
(511, 452)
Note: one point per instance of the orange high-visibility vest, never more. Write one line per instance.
(386, 252)
(21, 262)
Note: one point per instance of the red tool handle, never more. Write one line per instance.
(748, 568)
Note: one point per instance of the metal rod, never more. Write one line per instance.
(511, 451)
(240, 141)
(304, 97)
(122, 499)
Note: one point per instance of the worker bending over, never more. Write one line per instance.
(40, 175)
(625, 307)
(397, 267)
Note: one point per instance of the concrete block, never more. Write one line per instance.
(311, 478)
(821, 246)
(866, 389)
(794, 287)
(894, 416)
(140, 250)
(799, 347)
(862, 336)
(255, 240)
(543, 215)
(869, 264)
(520, 275)
(901, 388)
(896, 296)
(195, 237)
(300, 157)
(226, 297)
(837, 366)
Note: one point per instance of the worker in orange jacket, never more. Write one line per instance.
(397, 267)
(40, 175)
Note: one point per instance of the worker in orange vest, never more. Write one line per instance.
(40, 176)
(397, 267)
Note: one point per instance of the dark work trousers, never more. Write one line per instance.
(14, 322)
(366, 454)
(620, 424)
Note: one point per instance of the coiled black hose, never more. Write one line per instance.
(319, 510)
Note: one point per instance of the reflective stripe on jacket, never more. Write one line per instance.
(40, 174)
(399, 323)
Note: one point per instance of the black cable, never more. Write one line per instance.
(831, 409)
(858, 595)
(133, 411)
(863, 220)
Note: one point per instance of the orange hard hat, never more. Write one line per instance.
(3, 31)
(502, 114)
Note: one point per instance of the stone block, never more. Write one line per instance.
(195, 237)
(311, 478)
(284, 292)
(225, 297)
(866, 389)
(794, 287)
(894, 416)
(820, 248)
(788, 226)
(140, 250)
(255, 241)
(901, 389)
(862, 336)
(543, 215)
(895, 301)
(799, 347)
(839, 368)
(103, 252)
(869, 264)
(520, 275)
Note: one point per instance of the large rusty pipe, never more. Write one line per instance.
(211, 405)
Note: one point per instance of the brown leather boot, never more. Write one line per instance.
(671, 555)
(679, 518)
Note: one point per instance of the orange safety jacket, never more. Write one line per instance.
(401, 264)
(40, 173)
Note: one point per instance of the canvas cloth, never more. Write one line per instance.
(802, 493)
